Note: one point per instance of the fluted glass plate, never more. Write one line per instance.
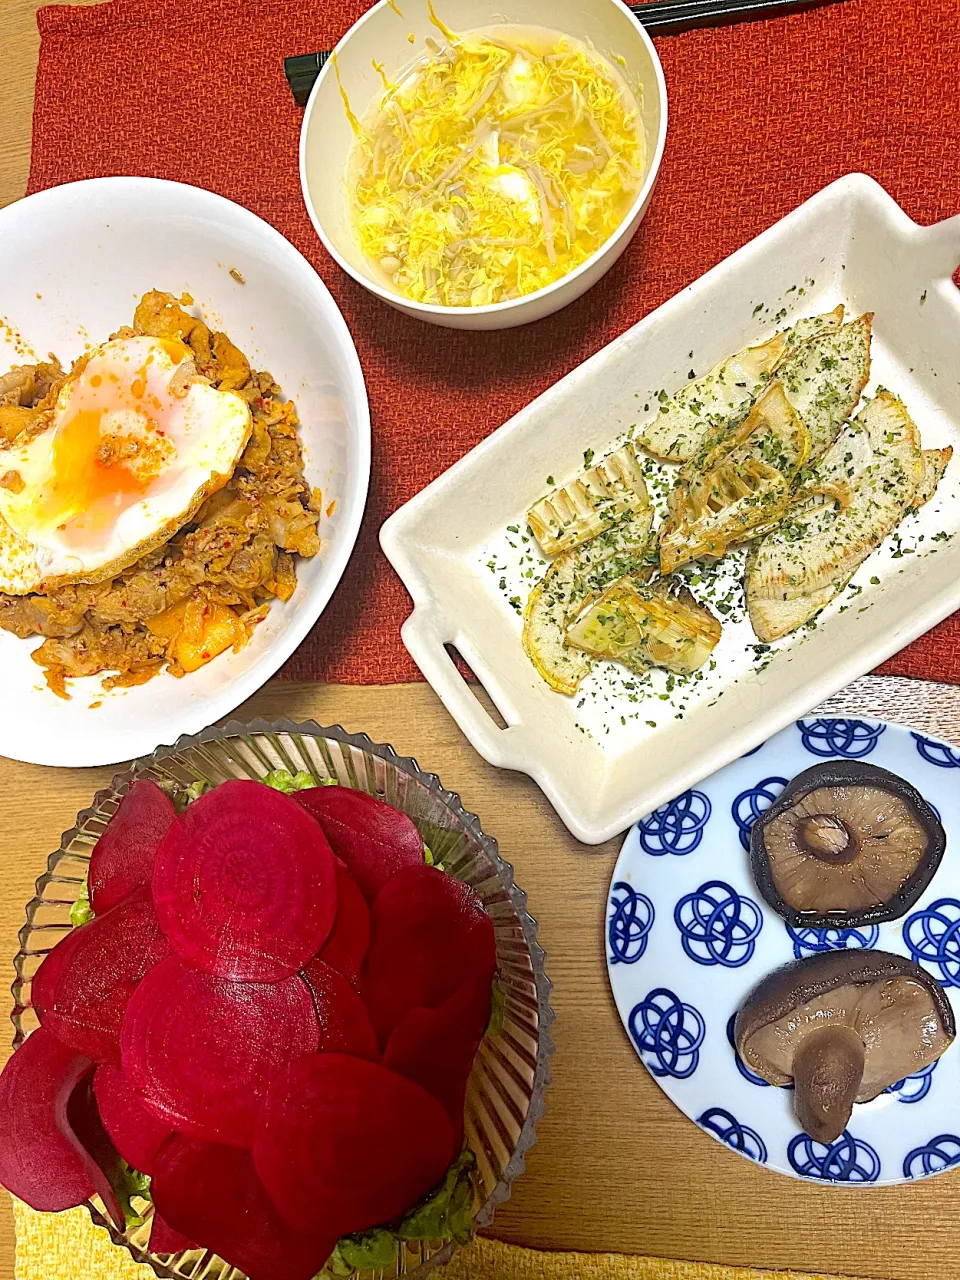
(505, 1092)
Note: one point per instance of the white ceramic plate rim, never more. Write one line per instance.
(139, 739)
(493, 308)
(428, 626)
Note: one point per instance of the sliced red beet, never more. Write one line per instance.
(345, 1025)
(212, 1194)
(135, 1131)
(166, 1239)
(123, 857)
(201, 1050)
(245, 884)
(429, 935)
(436, 1047)
(81, 991)
(346, 948)
(343, 1144)
(106, 1166)
(41, 1160)
(372, 837)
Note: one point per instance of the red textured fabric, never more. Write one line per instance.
(762, 116)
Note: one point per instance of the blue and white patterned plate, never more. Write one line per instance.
(687, 936)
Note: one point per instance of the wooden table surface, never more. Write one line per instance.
(616, 1167)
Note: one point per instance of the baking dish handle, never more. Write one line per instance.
(941, 242)
(425, 637)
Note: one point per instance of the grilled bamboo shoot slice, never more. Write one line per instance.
(572, 579)
(935, 463)
(809, 327)
(746, 487)
(773, 619)
(596, 500)
(647, 626)
(825, 379)
(821, 543)
(723, 395)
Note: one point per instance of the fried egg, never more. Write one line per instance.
(136, 443)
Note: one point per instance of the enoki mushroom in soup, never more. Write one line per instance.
(496, 164)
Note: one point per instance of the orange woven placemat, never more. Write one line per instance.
(762, 116)
(67, 1246)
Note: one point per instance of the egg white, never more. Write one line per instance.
(519, 84)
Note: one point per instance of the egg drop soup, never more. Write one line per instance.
(494, 165)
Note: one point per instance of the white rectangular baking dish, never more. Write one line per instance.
(850, 243)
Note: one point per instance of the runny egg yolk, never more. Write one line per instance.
(109, 444)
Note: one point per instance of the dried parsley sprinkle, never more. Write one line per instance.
(923, 297)
(587, 457)
(550, 480)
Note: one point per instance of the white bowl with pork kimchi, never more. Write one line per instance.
(184, 459)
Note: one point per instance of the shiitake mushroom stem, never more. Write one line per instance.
(827, 1071)
(828, 838)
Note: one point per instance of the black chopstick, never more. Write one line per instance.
(669, 17)
(661, 17)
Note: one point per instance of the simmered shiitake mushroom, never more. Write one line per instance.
(842, 1026)
(845, 844)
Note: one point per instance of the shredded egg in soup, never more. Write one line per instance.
(494, 165)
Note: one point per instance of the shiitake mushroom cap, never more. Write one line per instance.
(848, 773)
(827, 1059)
(800, 981)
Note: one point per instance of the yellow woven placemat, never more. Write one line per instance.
(67, 1246)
